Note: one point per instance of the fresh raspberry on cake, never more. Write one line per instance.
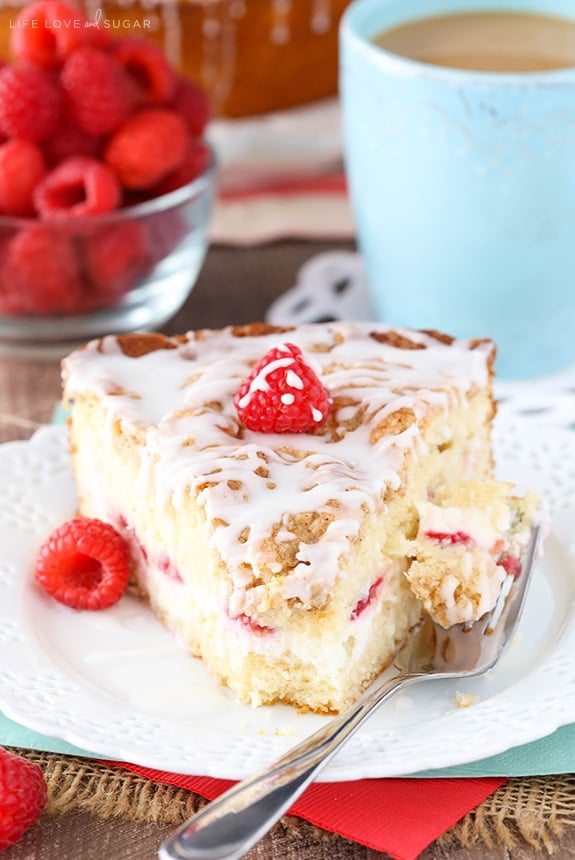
(48, 31)
(30, 102)
(23, 796)
(77, 187)
(148, 68)
(22, 168)
(283, 394)
(40, 272)
(148, 146)
(97, 90)
(84, 564)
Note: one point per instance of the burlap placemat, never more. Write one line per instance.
(536, 811)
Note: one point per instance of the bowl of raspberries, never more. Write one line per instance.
(106, 181)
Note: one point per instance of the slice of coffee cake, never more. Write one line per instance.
(280, 558)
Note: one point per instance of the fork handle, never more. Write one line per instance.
(229, 826)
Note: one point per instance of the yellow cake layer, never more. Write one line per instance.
(279, 559)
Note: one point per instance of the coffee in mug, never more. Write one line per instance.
(485, 41)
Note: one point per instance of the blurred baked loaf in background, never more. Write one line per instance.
(251, 56)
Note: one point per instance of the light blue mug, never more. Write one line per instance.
(462, 186)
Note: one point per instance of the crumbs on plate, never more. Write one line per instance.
(465, 700)
(280, 732)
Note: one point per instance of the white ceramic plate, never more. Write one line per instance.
(115, 683)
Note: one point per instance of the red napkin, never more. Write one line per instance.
(400, 817)
(324, 183)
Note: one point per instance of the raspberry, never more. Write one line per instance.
(115, 259)
(167, 229)
(84, 564)
(147, 147)
(48, 31)
(152, 75)
(23, 796)
(192, 104)
(97, 91)
(283, 394)
(40, 273)
(30, 102)
(78, 187)
(196, 161)
(69, 140)
(22, 167)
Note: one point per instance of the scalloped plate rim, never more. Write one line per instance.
(358, 759)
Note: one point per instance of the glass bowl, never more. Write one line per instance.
(65, 281)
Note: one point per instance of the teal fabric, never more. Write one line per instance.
(59, 414)
(554, 754)
(14, 735)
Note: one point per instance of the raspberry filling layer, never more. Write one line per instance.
(450, 538)
(166, 566)
(137, 549)
(366, 601)
(511, 564)
(251, 625)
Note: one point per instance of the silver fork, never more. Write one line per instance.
(229, 826)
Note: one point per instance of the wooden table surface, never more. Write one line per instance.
(235, 286)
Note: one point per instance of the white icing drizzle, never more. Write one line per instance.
(238, 8)
(293, 380)
(172, 32)
(281, 12)
(176, 395)
(321, 21)
(219, 23)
